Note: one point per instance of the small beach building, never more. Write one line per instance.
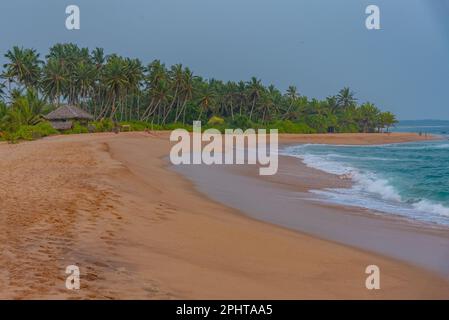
(63, 117)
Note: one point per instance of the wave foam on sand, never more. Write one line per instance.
(368, 189)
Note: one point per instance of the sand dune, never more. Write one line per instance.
(109, 204)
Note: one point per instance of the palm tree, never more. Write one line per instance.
(332, 104)
(121, 88)
(207, 100)
(230, 96)
(255, 89)
(155, 80)
(160, 94)
(176, 74)
(267, 106)
(241, 95)
(24, 110)
(115, 80)
(98, 58)
(292, 95)
(368, 116)
(187, 92)
(346, 99)
(54, 80)
(84, 77)
(387, 119)
(135, 75)
(23, 67)
(2, 90)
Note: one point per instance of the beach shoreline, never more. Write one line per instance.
(140, 230)
(285, 199)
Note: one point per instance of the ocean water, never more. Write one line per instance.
(437, 127)
(407, 179)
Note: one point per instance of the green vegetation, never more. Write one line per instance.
(27, 132)
(114, 88)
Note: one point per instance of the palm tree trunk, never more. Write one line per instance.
(252, 109)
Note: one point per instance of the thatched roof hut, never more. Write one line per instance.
(63, 117)
(69, 112)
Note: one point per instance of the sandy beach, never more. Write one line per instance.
(139, 229)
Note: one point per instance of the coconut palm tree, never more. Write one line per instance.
(115, 81)
(368, 116)
(187, 92)
(346, 98)
(134, 73)
(2, 91)
(84, 75)
(54, 80)
(24, 110)
(121, 88)
(207, 100)
(23, 67)
(292, 96)
(387, 120)
(255, 90)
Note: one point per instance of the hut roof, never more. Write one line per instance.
(68, 112)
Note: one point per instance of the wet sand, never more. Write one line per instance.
(112, 205)
(283, 199)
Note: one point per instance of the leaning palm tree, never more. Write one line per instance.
(160, 94)
(187, 92)
(176, 74)
(292, 95)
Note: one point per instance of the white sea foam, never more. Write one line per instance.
(369, 190)
(429, 206)
(368, 182)
(442, 146)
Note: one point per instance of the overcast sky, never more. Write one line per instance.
(318, 45)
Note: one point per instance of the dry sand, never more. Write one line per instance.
(137, 229)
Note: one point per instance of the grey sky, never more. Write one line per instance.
(318, 45)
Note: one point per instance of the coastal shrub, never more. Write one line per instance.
(91, 128)
(177, 125)
(318, 122)
(350, 128)
(104, 125)
(136, 125)
(241, 122)
(77, 129)
(215, 121)
(27, 132)
(287, 126)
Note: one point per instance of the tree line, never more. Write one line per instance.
(124, 89)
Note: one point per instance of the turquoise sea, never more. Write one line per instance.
(407, 179)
